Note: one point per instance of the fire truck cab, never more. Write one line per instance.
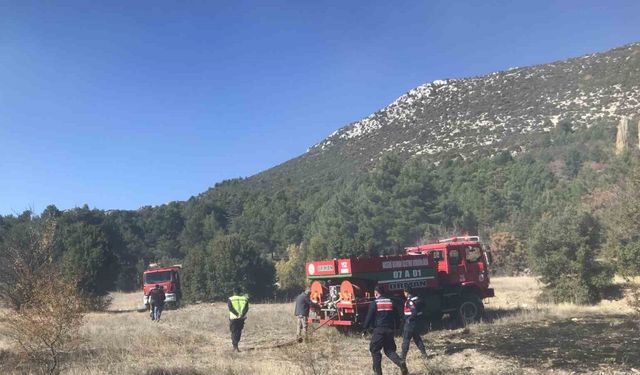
(168, 278)
(460, 262)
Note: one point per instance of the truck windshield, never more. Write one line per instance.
(157, 277)
(473, 253)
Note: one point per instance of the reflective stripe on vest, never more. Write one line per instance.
(408, 304)
(384, 304)
(238, 303)
(407, 307)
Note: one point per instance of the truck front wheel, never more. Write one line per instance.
(470, 309)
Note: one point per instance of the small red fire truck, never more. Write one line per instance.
(451, 276)
(168, 278)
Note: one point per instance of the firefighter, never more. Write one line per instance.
(302, 306)
(413, 323)
(238, 307)
(156, 301)
(382, 317)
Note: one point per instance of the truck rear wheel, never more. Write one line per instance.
(470, 309)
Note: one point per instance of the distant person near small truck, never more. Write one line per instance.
(156, 301)
(168, 278)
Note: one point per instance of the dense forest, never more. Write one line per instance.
(565, 209)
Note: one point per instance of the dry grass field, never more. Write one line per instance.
(518, 336)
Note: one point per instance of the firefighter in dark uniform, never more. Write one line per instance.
(156, 302)
(303, 304)
(238, 307)
(413, 323)
(382, 316)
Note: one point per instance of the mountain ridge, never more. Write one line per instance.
(399, 110)
(476, 116)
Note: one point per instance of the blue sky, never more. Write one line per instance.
(121, 104)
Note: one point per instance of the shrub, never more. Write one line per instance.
(509, 254)
(46, 328)
(290, 272)
(563, 251)
(236, 262)
(628, 259)
(25, 249)
(89, 258)
(196, 276)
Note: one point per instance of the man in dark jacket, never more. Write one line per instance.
(238, 307)
(303, 304)
(382, 317)
(413, 323)
(156, 301)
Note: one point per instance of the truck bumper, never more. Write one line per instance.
(170, 297)
(332, 322)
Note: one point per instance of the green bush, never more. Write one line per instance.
(236, 262)
(563, 251)
(290, 272)
(228, 262)
(629, 259)
(196, 276)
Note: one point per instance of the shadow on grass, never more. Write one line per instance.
(491, 315)
(9, 361)
(125, 311)
(578, 344)
(614, 292)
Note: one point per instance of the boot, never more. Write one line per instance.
(403, 368)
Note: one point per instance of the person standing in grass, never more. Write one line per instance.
(413, 323)
(156, 301)
(238, 307)
(382, 317)
(303, 304)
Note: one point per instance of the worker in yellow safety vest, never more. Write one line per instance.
(238, 306)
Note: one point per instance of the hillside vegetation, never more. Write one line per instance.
(398, 203)
(547, 192)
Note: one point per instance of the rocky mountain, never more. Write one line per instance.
(464, 118)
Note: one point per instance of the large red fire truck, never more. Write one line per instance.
(168, 278)
(451, 276)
